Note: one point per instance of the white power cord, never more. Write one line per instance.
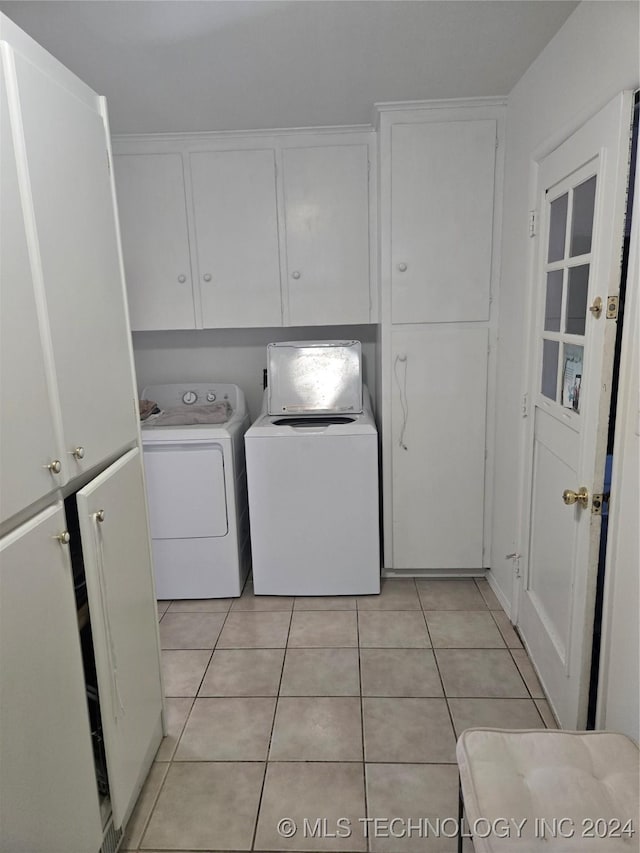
(404, 400)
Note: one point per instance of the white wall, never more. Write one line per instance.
(592, 57)
(234, 355)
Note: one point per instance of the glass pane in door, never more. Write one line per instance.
(572, 376)
(584, 197)
(550, 353)
(577, 300)
(553, 303)
(557, 228)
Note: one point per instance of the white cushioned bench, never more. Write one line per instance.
(577, 792)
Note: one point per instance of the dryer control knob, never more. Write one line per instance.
(189, 397)
(211, 397)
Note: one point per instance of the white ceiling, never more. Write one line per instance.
(178, 65)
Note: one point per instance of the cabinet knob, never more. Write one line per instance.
(402, 267)
(207, 276)
(54, 466)
(295, 274)
(99, 515)
(77, 453)
(182, 279)
(63, 538)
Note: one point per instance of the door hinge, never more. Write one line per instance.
(524, 408)
(108, 163)
(533, 221)
(612, 307)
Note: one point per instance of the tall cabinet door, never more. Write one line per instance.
(439, 404)
(28, 438)
(442, 187)
(234, 200)
(155, 241)
(326, 194)
(116, 550)
(67, 160)
(48, 791)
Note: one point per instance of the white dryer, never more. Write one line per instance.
(197, 490)
(313, 503)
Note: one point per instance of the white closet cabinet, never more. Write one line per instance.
(115, 545)
(236, 225)
(438, 413)
(440, 191)
(48, 794)
(326, 194)
(68, 398)
(73, 217)
(442, 200)
(155, 240)
(28, 438)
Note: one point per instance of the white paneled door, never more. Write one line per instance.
(155, 240)
(582, 186)
(116, 550)
(48, 791)
(442, 188)
(439, 404)
(29, 440)
(234, 201)
(78, 266)
(326, 191)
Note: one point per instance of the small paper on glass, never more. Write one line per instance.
(572, 377)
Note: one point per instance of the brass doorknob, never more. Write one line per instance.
(581, 496)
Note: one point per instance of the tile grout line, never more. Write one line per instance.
(273, 724)
(364, 759)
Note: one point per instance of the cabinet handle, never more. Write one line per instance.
(55, 467)
(99, 515)
(402, 267)
(77, 453)
(207, 276)
(182, 279)
(63, 538)
(295, 274)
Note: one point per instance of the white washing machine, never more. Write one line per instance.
(197, 489)
(313, 495)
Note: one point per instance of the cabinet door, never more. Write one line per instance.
(326, 194)
(48, 791)
(442, 189)
(27, 433)
(66, 155)
(234, 200)
(155, 242)
(438, 446)
(115, 545)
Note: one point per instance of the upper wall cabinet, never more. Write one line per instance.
(275, 229)
(236, 225)
(442, 188)
(155, 240)
(326, 194)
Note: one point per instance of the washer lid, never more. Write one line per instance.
(314, 377)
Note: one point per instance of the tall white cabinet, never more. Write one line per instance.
(440, 189)
(72, 506)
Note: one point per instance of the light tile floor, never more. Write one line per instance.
(327, 708)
